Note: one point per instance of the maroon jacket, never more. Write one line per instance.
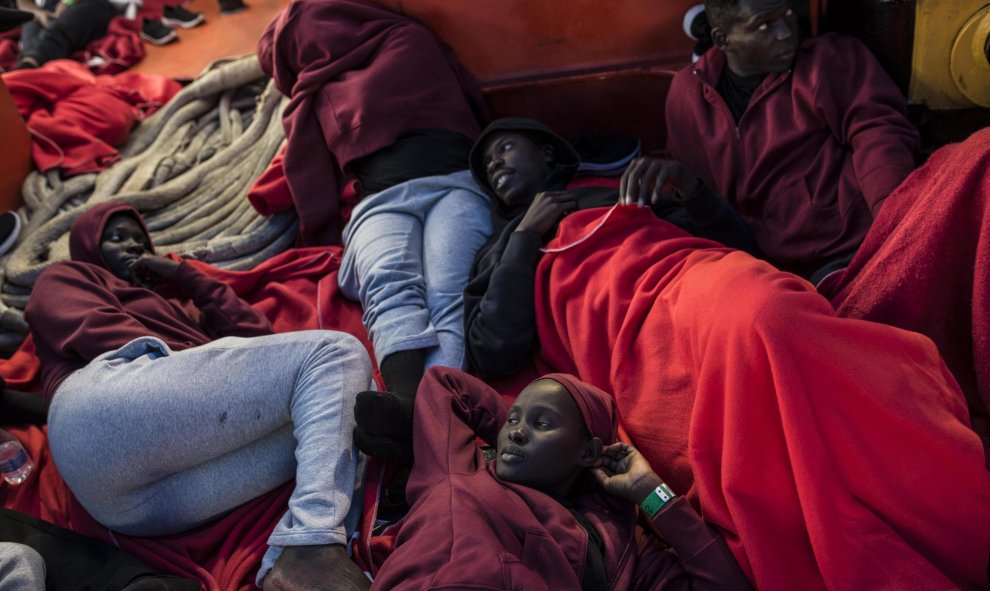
(79, 310)
(814, 155)
(358, 77)
(469, 530)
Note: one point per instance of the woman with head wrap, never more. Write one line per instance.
(554, 509)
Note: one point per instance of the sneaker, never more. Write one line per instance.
(156, 33)
(232, 6)
(177, 16)
(10, 229)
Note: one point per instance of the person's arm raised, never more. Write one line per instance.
(703, 561)
(452, 409)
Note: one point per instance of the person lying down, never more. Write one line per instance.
(554, 509)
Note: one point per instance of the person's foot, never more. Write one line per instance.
(315, 568)
(177, 16)
(384, 425)
(232, 6)
(157, 33)
(10, 229)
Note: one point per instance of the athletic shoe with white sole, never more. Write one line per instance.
(157, 33)
(177, 16)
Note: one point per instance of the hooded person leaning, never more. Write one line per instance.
(170, 402)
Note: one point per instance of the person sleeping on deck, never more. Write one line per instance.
(809, 141)
(554, 509)
(170, 402)
(525, 167)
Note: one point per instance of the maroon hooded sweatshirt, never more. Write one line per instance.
(79, 310)
(812, 158)
(467, 529)
(358, 76)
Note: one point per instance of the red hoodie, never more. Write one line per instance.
(79, 310)
(813, 156)
(467, 529)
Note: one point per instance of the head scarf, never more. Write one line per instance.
(598, 409)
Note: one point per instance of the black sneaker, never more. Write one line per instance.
(177, 16)
(232, 6)
(10, 229)
(156, 33)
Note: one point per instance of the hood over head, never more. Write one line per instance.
(598, 409)
(86, 232)
(567, 157)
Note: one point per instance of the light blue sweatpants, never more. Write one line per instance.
(408, 252)
(21, 568)
(153, 441)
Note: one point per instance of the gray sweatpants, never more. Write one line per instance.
(154, 442)
(21, 568)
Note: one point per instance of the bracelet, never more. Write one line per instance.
(68, 2)
(657, 500)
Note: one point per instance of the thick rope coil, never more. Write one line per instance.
(187, 169)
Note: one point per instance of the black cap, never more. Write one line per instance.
(567, 157)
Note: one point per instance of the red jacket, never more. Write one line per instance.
(79, 310)
(469, 530)
(814, 155)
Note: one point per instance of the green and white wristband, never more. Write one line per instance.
(657, 500)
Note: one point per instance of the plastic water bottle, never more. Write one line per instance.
(15, 463)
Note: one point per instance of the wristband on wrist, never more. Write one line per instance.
(657, 500)
(68, 2)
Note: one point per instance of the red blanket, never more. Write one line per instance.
(297, 290)
(834, 453)
(925, 265)
(77, 119)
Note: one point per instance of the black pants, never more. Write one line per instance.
(73, 30)
(74, 562)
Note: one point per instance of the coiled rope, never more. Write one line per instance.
(187, 169)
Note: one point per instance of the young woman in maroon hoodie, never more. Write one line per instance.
(555, 508)
(170, 402)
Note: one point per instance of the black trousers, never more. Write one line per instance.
(74, 29)
(74, 562)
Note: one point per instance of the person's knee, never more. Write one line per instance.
(346, 347)
(21, 567)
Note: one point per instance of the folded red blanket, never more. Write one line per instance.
(297, 290)
(834, 453)
(77, 119)
(925, 265)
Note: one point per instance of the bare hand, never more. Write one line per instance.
(151, 270)
(644, 180)
(547, 209)
(43, 17)
(624, 472)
